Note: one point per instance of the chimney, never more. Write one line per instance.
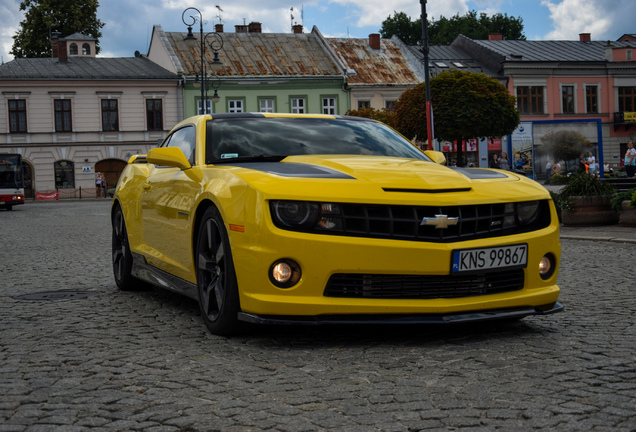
(609, 52)
(298, 28)
(254, 27)
(374, 41)
(62, 51)
(495, 36)
(54, 37)
(240, 28)
(218, 28)
(585, 37)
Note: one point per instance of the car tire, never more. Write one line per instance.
(216, 279)
(122, 258)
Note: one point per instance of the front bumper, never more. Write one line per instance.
(451, 318)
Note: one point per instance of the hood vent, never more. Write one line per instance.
(427, 191)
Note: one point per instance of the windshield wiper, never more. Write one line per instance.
(255, 158)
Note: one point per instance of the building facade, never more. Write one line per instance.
(586, 86)
(260, 72)
(74, 115)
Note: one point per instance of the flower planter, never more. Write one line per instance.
(628, 215)
(590, 211)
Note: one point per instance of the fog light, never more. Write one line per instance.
(284, 273)
(546, 266)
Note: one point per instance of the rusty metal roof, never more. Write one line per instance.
(259, 55)
(386, 66)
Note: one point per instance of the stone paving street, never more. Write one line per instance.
(118, 361)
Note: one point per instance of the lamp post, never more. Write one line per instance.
(427, 80)
(216, 44)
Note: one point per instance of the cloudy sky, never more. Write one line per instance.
(129, 22)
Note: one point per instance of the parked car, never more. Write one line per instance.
(314, 219)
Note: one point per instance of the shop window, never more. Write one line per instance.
(64, 174)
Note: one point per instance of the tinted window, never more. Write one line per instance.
(185, 139)
(229, 138)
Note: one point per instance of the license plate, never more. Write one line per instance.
(470, 260)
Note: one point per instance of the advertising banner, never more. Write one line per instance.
(47, 196)
(521, 158)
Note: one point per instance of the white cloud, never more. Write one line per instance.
(10, 17)
(600, 18)
(373, 12)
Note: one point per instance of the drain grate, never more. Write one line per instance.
(57, 295)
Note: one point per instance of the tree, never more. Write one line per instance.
(465, 104)
(33, 38)
(400, 25)
(384, 115)
(445, 30)
(565, 145)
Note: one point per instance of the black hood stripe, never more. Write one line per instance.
(290, 169)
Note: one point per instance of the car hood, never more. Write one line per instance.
(387, 174)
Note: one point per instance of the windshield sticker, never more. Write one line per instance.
(229, 155)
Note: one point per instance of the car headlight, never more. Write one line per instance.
(295, 214)
(527, 212)
(303, 215)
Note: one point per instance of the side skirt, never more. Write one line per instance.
(159, 278)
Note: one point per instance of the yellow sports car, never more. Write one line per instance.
(314, 219)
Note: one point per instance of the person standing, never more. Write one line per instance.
(630, 160)
(591, 161)
(98, 185)
(494, 162)
(504, 164)
(548, 171)
(103, 186)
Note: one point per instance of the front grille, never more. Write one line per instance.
(403, 222)
(423, 287)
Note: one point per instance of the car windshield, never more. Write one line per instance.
(234, 139)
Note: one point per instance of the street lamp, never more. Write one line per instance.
(215, 65)
(427, 81)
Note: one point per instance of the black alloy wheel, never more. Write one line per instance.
(122, 258)
(216, 279)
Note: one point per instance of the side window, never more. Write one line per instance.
(185, 139)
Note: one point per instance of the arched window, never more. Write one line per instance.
(86, 49)
(64, 174)
(73, 48)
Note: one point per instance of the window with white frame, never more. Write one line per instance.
(364, 104)
(298, 105)
(329, 105)
(266, 105)
(389, 105)
(235, 105)
(208, 106)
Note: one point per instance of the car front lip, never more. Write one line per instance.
(452, 318)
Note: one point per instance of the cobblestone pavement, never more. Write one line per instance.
(120, 361)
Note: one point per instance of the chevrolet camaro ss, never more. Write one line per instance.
(316, 219)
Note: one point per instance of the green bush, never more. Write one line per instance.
(558, 179)
(586, 185)
(582, 184)
(623, 196)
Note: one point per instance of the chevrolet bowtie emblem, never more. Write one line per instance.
(440, 221)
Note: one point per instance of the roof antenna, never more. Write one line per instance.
(218, 14)
(291, 12)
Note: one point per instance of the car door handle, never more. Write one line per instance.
(147, 186)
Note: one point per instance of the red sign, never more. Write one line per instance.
(494, 144)
(47, 196)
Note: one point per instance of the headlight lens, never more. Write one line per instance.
(527, 212)
(307, 215)
(295, 214)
